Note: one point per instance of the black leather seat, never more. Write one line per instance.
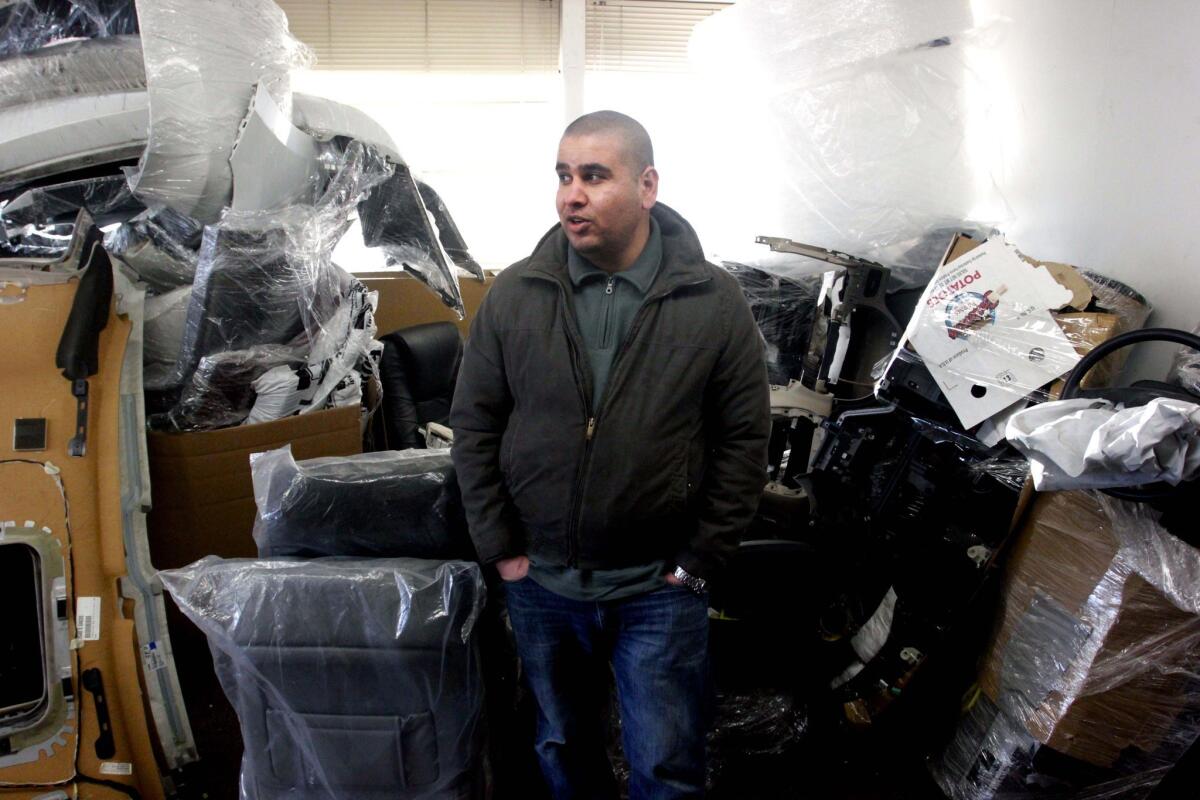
(418, 371)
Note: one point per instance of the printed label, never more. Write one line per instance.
(153, 658)
(87, 618)
(116, 768)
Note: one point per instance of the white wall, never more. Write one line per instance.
(1105, 101)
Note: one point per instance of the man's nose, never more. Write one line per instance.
(574, 195)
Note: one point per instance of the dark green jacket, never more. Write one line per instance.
(669, 466)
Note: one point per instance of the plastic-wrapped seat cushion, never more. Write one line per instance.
(351, 678)
(386, 504)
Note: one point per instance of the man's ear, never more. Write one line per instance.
(648, 183)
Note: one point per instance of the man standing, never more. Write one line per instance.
(610, 434)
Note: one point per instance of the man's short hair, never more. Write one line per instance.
(634, 136)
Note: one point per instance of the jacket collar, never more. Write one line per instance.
(682, 256)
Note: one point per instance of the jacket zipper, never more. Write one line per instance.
(576, 516)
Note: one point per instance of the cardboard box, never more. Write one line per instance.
(203, 501)
(1089, 654)
(404, 301)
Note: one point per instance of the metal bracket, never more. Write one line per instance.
(77, 447)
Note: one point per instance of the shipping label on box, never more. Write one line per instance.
(984, 330)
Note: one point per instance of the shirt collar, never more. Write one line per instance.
(641, 273)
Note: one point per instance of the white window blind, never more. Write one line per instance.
(429, 35)
(642, 35)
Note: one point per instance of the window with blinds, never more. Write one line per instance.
(429, 35)
(642, 35)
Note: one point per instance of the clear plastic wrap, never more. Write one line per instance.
(352, 679)
(203, 62)
(858, 114)
(220, 392)
(386, 504)
(160, 246)
(26, 25)
(753, 744)
(106, 199)
(1185, 369)
(1090, 686)
(266, 278)
(394, 218)
(166, 315)
(94, 66)
(784, 309)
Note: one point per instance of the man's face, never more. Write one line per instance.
(602, 196)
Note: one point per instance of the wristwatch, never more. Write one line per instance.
(697, 585)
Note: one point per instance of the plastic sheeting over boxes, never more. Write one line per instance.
(1095, 658)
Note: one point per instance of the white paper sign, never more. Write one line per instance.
(983, 328)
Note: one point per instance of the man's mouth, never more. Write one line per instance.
(576, 222)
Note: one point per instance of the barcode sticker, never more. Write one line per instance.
(153, 658)
(116, 768)
(87, 618)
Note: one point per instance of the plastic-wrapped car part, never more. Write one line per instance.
(1089, 687)
(351, 678)
(203, 62)
(394, 218)
(106, 199)
(384, 504)
(267, 382)
(166, 316)
(1185, 370)
(266, 278)
(160, 246)
(784, 310)
(219, 393)
(452, 240)
(27, 25)
(94, 66)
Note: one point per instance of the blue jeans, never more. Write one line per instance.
(658, 645)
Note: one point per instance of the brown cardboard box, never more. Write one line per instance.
(1066, 275)
(203, 502)
(1121, 684)
(404, 301)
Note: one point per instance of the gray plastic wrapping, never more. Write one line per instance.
(1185, 369)
(92, 66)
(352, 679)
(27, 25)
(203, 63)
(384, 504)
(160, 246)
(165, 318)
(1090, 687)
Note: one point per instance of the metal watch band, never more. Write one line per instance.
(697, 585)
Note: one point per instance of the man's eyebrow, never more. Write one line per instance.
(600, 168)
